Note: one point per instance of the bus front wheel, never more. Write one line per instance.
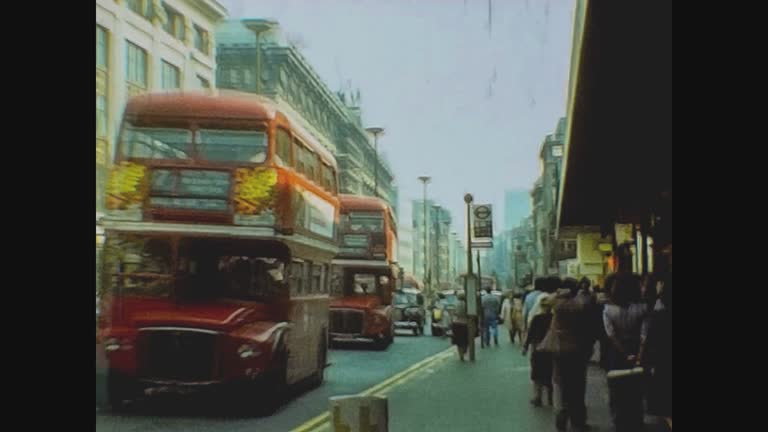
(119, 389)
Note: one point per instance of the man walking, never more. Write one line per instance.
(569, 338)
(491, 307)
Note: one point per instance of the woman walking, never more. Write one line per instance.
(541, 362)
(459, 326)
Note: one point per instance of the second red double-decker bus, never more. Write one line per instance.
(219, 239)
(364, 272)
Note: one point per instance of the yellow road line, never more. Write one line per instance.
(404, 375)
(412, 374)
(321, 419)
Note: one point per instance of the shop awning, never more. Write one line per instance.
(618, 153)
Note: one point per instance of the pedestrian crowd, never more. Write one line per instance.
(560, 321)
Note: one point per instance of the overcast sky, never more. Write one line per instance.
(466, 104)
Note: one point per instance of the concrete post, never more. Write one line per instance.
(359, 414)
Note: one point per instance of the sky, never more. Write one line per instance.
(461, 101)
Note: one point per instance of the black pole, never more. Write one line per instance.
(376, 167)
(472, 325)
(480, 311)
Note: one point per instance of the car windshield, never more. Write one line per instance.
(364, 284)
(406, 299)
(450, 300)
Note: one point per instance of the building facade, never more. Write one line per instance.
(418, 215)
(517, 205)
(405, 245)
(458, 257)
(441, 243)
(254, 55)
(544, 198)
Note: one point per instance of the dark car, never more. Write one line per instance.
(408, 310)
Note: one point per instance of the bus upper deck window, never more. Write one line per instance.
(232, 145)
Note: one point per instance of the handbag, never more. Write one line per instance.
(551, 341)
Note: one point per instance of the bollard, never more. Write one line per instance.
(359, 414)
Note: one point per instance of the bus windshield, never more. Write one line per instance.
(206, 270)
(210, 145)
(214, 269)
(362, 223)
(136, 266)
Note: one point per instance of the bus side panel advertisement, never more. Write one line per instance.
(313, 213)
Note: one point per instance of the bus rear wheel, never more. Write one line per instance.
(322, 360)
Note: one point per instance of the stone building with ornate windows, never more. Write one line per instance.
(254, 55)
(549, 249)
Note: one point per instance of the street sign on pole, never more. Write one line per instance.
(482, 222)
(482, 245)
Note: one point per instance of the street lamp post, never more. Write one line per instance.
(258, 26)
(425, 180)
(436, 258)
(376, 131)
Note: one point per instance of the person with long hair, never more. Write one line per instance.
(541, 361)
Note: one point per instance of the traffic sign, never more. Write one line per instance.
(482, 212)
(483, 222)
(482, 245)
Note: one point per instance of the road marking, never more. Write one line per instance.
(322, 420)
(423, 372)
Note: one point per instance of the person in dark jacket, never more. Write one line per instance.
(569, 335)
(541, 362)
(603, 298)
(626, 324)
(657, 355)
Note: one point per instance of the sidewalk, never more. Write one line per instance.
(492, 394)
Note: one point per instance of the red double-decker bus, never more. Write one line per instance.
(364, 272)
(220, 234)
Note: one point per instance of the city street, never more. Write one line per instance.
(353, 370)
(443, 395)
(270, 176)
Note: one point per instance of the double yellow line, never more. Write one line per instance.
(379, 389)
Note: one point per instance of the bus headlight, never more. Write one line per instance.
(247, 351)
(111, 344)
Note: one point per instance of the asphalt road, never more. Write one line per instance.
(353, 370)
